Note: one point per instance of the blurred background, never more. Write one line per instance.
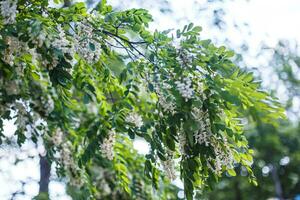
(265, 35)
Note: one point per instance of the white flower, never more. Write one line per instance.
(134, 118)
(67, 159)
(169, 167)
(44, 14)
(76, 181)
(12, 88)
(184, 58)
(66, 156)
(203, 135)
(41, 38)
(47, 103)
(14, 45)
(57, 138)
(165, 101)
(224, 157)
(21, 108)
(22, 118)
(62, 43)
(182, 143)
(166, 105)
(9, 11)
(107, 147)
(185, 88)
(85, 44)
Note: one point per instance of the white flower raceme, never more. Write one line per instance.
(203, 135)
(169, 167)
(57, 137)
(165, 104)
(134, 118)
(75, 174)
(164, 100)
(184, 58)
(107, 147)
(66, 156)
(86, 43)
(14, 45)
(76, 181)
(41, 38)
(185, 88)
(62, 43)
(182, 143)
(12, 88)
(224, 157)
(47, 103)
(9, 11)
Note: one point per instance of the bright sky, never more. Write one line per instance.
(268, 20)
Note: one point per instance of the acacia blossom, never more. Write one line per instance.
(57, 137)
(75, 174)
(166, 104)
(9, 11)
(12, 87)
(223, 157)
(107, 147)
(164, 100)
(169, 167)
(47, 103)
(182, 143)
(185, 88)
(135, 119)
(86, 43)
(62, 43)
(203, 135)
(14, 45)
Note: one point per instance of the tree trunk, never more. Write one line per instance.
(278, 188)
(45, 169)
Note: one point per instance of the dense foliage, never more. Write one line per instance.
(87, 81)
(276, 149)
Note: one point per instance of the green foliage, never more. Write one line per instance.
(276, 148)
(107, 75)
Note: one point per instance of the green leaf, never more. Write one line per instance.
(92, 46)
(231, 172)
(197, 29)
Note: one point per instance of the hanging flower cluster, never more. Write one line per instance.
(185, 88)
(66, 158)
(14, 46)
(12, 87)
(135, 119)
(165, 99)
(58, 137)
(182, 143)
(40, 38)
(223, 153)
(203, 135)
(169, 166)
(47, 103)
(9, 11)
(223, 157)
(184, 58)
(107, 146)
(62, 43)
(166, 104)
(87, 43)
(70, 165)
